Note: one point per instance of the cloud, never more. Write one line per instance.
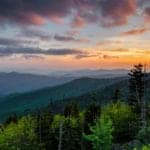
(8, 51)
(15, 42)
(64, 38)
(135, 32)
(30, 12)
(147, 14)
(116, 12)
(110, 57)
(87, 55)
(35, 33)
(69, 39)
(104, 12)
(28, 57)
(72, 32)
(79, 22)
(106, 42)
(120, 50)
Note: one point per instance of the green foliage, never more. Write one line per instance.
(71, 132)
(125, 122)
(145, 147)
(101, 136)
(144, 135)
(92, 112)
(19, 136)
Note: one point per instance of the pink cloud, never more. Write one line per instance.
(78, 22)
(107, 13)
(117, 12)
(135, 31)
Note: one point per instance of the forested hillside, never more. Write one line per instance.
(19, 103)
(111, 117)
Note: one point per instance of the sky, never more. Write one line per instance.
(42, 35)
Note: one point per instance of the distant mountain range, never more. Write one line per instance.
(100, 73)
(15, 82)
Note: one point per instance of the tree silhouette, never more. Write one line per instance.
(136, 87)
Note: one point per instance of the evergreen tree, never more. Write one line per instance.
(44, 120)
(71, 110)
(116, 95)
(136, 87)
(91, 114)
(11, 119)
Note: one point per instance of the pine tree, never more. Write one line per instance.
(44, 120)
(11, 119)
(92, 112)
(136, 87)
(116, 95)
(71, 110)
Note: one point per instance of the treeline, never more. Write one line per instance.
(115, 126)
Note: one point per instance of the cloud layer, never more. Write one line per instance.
(104, 12)
(31, 52)
(135, 31)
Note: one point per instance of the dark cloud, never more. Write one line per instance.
(6, 41)
(69, 39)
(147, 14)
(116, 12)
(34, 33)
(8, 51)
(14, 42)
(30, 12)
(33, 12)
(144, 5)
(87, 55)
(42, 35)
(64, 38)
(28, 57)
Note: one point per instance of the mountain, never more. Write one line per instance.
(102, 95)
(14, 82)
(18, 103)
(99, 73)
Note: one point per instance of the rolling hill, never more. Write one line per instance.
(102, 95)
(18, 103)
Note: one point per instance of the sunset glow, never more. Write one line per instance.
(73, 34)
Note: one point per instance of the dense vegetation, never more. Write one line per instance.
(117, 125)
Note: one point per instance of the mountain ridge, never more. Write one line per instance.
(42, 97)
